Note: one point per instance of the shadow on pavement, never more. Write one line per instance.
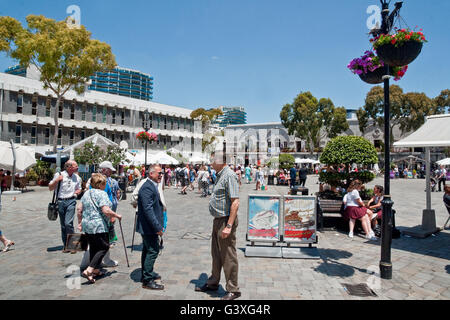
(202, 280)
(136, 275)
(332, 268)
(437, 246)
(53, 249)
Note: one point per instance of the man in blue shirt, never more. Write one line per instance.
(293, 174)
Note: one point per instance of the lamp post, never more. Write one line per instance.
(387, 203)
(146, 118)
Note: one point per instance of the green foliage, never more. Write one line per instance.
(32, 175)
(311, 119)
(89, 154)
(343, 179)
(348, 150)
(286, 161)
(43, 170)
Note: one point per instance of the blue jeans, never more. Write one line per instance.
(66, 210)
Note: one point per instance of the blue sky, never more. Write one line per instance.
(258, 54)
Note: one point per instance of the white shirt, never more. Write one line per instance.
(68, 185)
(351, 198)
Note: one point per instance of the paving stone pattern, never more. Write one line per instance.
(37, 269)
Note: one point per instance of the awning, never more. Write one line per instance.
(434, 133)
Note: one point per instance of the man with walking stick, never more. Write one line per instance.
(150, 223)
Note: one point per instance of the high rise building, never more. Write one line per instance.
(231, 116)
(124, 82)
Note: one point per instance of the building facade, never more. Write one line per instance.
(124, 82)
(231, 116)
(27, 116)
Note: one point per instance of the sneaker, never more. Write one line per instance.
(110, 264)
(371, 237)
(350, 234)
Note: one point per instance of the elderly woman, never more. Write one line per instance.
(94, 217)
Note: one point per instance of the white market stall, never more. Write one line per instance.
(435, 132)
(96, 139)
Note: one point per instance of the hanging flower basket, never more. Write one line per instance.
(146, 136)
(399, 49)
(370, 68)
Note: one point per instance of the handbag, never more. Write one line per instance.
(76, 242)
(52, 211)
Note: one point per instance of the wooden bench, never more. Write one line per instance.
(329, 207)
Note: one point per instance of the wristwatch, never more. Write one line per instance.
(229, 226)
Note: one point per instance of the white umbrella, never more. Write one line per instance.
(139, 159)
(299, 160)
(197, 159)
(24, 157)
(129, 159)
(164, 158)
(444, 162)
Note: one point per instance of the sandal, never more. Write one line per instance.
(8, 246)
(88, 276)
(98, 274)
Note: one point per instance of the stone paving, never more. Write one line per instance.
(37, 269)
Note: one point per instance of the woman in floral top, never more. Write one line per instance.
(94, 217)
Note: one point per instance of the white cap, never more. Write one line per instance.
(107, 165)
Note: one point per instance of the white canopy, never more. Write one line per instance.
(444, 162)
(139, 159)
(300, 160)
(24, 157)
(163, 158)
(434, 133)
(197, 159)
(96, 139)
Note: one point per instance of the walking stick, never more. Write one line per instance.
(124, 247)
(134, 231)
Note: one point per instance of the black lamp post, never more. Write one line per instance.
(387, 220)
(146, 118)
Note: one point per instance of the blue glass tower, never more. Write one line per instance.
(124, 82)
(233, 115)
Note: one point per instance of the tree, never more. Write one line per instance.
(408, 111)
(312, 120)
(416, 106)
(89, 154)
(205, 116)
(115, 155)
(442, 101)
(347, 150)
(65, 56)
(286, 161)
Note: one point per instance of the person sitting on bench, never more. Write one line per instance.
(375, 205)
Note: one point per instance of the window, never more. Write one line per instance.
(157, 123)
(20, 103)
(48, 105)
(122, 121)
(34, 106)
(171, 124)
(47, 136)
(113, 137)
(72, 111)
(72, 136)
(165, 123)
(121, 137)
(18, 133)
(83, 112)
(33, 135)
(83, 134)
(59, 136)
(114, 116)
(60, 110)
(94, 114)
(151, 121)
(105, 112)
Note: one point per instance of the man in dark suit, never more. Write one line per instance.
(303, 174)
(150, 222)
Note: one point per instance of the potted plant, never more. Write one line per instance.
(147, 136)
(32, 177)
(370, 68)
(399, 49)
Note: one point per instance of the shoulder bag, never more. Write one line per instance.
(52, 211)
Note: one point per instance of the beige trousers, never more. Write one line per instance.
(223, 252)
